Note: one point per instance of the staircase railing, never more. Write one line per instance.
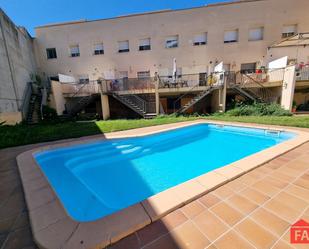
(253, 84)
(139, 102)
(211, 80)
(189, 92)
(84, 91)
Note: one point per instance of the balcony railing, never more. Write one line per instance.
(80, 89)
(302, 74)
(191, 80)
(182, 81)
(260, 77)
(129, 84)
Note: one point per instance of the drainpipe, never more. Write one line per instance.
(9, 60)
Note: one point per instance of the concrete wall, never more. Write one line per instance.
(57, 100)
(213, 19)
(17, 63)
(298, 53)
(288, 88)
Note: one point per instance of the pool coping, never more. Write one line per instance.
(52, 226)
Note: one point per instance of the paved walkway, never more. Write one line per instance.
(254, 211)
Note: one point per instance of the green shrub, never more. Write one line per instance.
(258, 109)
(49, 114)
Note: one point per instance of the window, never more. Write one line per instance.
(83, 79)
(289, 30)
(123, 74)
(98, 49)
(171, 42)
(74, 51)
(51, 53)
(200, 39)
(248, 68)
(123, 46)
(144, 44)
(256, 34)
(231, 36)
(143, 74)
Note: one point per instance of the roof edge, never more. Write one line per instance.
(231, 2)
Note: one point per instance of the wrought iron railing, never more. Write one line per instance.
(214, 79)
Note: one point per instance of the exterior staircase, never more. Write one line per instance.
(251, 88)
(247, 93)
(196, 99)
(31, 106)
(75, 106)
(34, 112)
(137, 104)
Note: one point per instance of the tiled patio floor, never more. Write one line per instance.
(254, 211)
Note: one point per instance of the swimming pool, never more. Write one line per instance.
(97, 179)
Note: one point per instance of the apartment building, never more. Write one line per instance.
(237, 33)
(163, 61)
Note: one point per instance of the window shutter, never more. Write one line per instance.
(171, 41)
(98, 46)
(172, 38)
(75, 49)
(289, 29)
(201, 38)
(123, 45)
(144, 42)
(256, 34)
(231, 35)
(143, 74)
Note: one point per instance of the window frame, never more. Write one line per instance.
(48, 54)
(167, 40)
(138, 74)
(285, 35)
(144, 47)
(124, 50)
(231, 41)
(98, 51)
(194, 43)
(246, 69)
(261, 38)
(74, 54)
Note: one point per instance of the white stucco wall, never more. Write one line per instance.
(288, 88)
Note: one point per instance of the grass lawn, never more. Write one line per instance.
(25, 134)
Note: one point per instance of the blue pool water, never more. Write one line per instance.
(96, 179)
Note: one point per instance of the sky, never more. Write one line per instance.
(33, 13)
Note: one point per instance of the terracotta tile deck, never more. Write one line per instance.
(253, 211)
